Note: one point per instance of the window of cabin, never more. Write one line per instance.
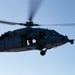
(42, 35)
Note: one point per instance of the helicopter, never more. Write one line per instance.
(29, 38)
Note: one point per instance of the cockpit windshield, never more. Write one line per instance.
(53, 32)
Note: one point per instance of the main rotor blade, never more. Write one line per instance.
(10, 23)
(27, 24)
(6, 22)
(34, 5)
(66, 24)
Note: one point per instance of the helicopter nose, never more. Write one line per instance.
(64, 38)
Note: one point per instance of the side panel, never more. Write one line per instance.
(2, 45)
(13, 42)
(10, 43)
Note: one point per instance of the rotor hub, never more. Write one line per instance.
(30, 24)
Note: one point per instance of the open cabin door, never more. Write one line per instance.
(27, 41)
(24, 40)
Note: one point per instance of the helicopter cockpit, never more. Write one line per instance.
(53, 33)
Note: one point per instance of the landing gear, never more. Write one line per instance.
(43, 53)
(42, 50)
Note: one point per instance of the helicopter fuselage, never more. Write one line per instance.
(31, 39)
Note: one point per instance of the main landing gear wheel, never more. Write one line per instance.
(43, 50)
(43, 53)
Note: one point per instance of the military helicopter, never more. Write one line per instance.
(29, 38)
